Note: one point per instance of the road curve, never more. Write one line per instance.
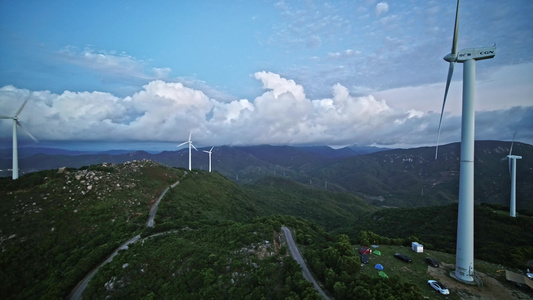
(82, 285)
(78, 290)
(296, 255)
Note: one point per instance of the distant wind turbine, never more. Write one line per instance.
(512, 171)
(190, 145)
(16, 123)
(210, 151)
(464, 263)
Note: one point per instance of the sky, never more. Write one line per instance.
(254, 72)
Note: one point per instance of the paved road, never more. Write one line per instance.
(82, 285)
(154, 208)
(296, 255)
(78, 291)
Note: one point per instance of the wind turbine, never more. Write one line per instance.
(190, 145)
(210, 151)
(464, 261)
(512, 171)
(16, 123)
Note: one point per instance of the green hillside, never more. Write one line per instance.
(330, 210)
(213, 238)
(412, 177)
(56, 226)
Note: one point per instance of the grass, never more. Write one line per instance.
(417, 272)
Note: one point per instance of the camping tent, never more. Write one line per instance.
(379, 267)
(382, 274)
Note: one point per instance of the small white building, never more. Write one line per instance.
(418, 248)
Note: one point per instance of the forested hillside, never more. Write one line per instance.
(412, 177)
(212, 236)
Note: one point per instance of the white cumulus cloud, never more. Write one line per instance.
(282, 114)
(382, 8)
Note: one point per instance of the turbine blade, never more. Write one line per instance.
(205, 151)
(211, 148)
(509, 167)
(194, 147)
(5, 117)
(182, 144)
(23, 104)
(450, 74)
(190, 135)
(456, 30)
(26, 131)
(511, 149)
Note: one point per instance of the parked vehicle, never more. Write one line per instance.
(432, 262)
(439, 287)
(365, 249)
(364, 258)
(403, 257)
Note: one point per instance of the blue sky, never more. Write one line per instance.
(261, 72)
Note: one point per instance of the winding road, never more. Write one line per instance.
(154, 208)
(82, 285)
(77, 292)
(296, 255)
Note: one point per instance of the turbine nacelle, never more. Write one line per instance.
(514, 156)
(476, 53)
(471, 53)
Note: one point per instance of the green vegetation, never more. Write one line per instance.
(328, 209)
(498, 238)
(231, 261)
(214, 238)
(57, 226)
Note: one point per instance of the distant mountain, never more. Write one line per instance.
(394, 177)
(342, 152)
(412, 177)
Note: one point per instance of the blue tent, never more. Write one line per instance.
(379, 267)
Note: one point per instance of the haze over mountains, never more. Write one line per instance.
(384, 177)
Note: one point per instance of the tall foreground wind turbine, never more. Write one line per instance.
(190, 145)
(512, 171)
(16, 123)
(210, 151)
(464, 261)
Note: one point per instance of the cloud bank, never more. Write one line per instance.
(282, 114)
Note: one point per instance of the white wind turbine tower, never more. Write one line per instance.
(512, 171)
(210, 151)
(464, 261)
(16, 123)
(190, 145)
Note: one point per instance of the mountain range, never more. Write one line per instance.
(383, 177)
